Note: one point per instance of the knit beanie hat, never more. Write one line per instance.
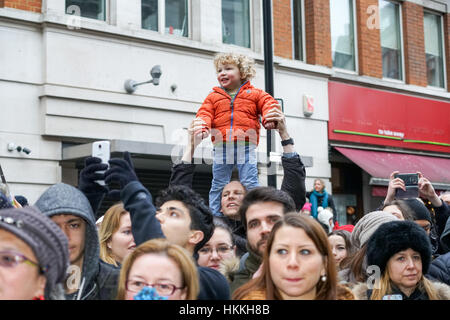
(324, 217)
(44, 237)
(365, 227)
(420, 211)
(393, 237)
(307, 206)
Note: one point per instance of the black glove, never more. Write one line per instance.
(121, 171)
(88, 176)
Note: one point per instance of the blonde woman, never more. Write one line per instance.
(116, 239)
(319, 197)
(401, 252)
(168, 268)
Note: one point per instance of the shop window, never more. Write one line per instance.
(93, 9)
(236, 22)
(342, 34)
(434, 49)
(391, 39)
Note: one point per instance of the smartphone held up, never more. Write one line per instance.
(411, 181)
(101, 149)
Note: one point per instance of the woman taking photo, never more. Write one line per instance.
(157, 264)
(402, 252)
(298, 265)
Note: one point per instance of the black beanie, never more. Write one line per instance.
(420, 211)
(393, 237)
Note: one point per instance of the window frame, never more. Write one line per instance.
(402, 45)
(355, 43)
(162, 20)
(251, 8)
(302, 5)
(107, 19)
(441, 18)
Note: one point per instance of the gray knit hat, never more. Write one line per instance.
(365, 227)
(44, 237)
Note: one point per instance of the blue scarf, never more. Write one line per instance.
(313, 198)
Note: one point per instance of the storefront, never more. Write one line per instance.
(373, 133)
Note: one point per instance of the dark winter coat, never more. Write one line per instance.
(249, 264)
(440, 267)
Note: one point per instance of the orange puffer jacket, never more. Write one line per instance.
(235, 119)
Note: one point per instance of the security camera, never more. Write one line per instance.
(156, 74)
(26, 150)
(131, 85)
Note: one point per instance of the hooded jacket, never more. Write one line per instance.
(440, 267)
(98, 279)
(234, 116)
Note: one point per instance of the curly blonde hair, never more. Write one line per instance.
(245, 64)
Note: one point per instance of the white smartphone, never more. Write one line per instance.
(101, 149)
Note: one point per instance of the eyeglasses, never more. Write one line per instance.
(163, 289)
(10, 259)
(221, 250)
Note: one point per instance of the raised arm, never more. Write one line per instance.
(183, 172)
(136, 199)
(294, 170)
(442, 213)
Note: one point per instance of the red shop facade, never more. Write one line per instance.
(373, 132)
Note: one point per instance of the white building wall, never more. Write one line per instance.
(60, 84)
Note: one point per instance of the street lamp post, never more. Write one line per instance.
(268, 77)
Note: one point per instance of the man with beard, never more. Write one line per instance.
(261, 208)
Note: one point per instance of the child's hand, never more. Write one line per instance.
(270, 125)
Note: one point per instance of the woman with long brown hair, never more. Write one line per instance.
(298, 264)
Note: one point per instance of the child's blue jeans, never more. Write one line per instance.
(226, 156)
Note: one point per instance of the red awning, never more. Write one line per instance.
(381, 164)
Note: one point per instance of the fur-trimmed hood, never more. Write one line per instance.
(443, 291)
(228, 267)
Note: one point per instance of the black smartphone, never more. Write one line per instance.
(411, 185)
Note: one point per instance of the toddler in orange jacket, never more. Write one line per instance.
(231, 113)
